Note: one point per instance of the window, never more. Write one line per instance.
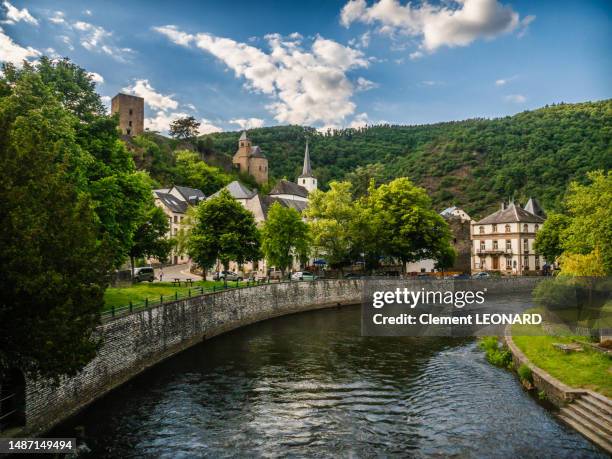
(483, 265)
(482, 246)
(481, 229)
(509, 262)
(508, 244)
(128, 131)
(526, 245)
(131, 112)
(525, 228)
(507, 228)
(537, 263)
(495, 228)
(175, 219)
(526, 263)
(130, 123)
(536, 227)
(495, 245)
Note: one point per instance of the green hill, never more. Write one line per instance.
(473, 163)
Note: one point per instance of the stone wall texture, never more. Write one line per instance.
(132, 343)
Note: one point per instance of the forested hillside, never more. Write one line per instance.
(473, 163)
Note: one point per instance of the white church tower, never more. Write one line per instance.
(306, 179)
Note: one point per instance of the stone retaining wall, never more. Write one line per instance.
(135, 342)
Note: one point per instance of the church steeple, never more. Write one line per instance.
(306, 170)
(307, 180)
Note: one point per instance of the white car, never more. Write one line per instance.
(303, 275)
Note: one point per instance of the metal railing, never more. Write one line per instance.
(191, 292)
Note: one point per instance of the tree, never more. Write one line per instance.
(411, 229)
(52, 260)
(194, 172)
(150, 239)
(548, 238)
(184, 128)
(223, 230)
(330, 216)
(590, 218)
(284, 236)
(362, 177)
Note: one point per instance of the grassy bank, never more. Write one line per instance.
(586, 370)
(121, 296)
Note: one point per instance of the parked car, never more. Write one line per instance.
(461, 276)
(481, 275)
(145, 273)
(227, 275)
(353, 276)
(303, 275)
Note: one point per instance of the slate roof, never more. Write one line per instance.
(533, 206)
(267, 201)
(286, 187)
(511, 214)
(172, 202)
(190, 194)
(256, 152)
(237, 190)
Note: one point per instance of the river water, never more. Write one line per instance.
(310, 385)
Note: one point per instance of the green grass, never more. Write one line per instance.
(586, 370)
(121, 296)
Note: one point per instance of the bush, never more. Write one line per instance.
(496, 355)
(525, 373)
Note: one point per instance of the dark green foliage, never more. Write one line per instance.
(224, 230)
(150, 238)
(472, 163)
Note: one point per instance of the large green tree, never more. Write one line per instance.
(410, 229)
(548, 238)
(331, 215)
(223, 230)
(184, 128)
(284, 237)
(53, 258)
(150, 239)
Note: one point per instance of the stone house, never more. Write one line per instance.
(504, 240)
(249, 159)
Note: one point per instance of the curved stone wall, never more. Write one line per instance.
(135, 342)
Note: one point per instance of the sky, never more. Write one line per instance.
(244, 64)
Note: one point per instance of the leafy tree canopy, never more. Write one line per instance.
(223, 230)
(184, 128)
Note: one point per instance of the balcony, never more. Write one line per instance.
(494, 251)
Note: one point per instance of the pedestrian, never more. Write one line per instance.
(161, 274)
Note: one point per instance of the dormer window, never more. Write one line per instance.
(507, 228)
(525, 228)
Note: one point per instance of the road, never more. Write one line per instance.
(176, 272)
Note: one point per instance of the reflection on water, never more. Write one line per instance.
(310, 385)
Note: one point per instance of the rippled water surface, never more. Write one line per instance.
(310, 385)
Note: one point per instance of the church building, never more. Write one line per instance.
(250, 160)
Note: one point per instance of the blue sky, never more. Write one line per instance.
(325, 63)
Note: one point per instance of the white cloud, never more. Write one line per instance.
(515, 98)
(87, 13)
(67, 41)
(359, 121)
(501, 82)
(153, 99)
(14, 15)
(97, 39)
(363, 41)
(450, 23)
(525, 25)
(106, 100)
(162, 120)
(58, 18)
(306, 86)
(96, 77)
(248, 123)
(365, 85)
(14, 53)
(207, 127)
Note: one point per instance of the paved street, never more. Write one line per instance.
(176, 272)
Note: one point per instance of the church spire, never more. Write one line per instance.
(306, 170)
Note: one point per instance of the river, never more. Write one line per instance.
(310, 385)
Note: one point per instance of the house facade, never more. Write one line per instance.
(504, 241)
(249, 159)
(175, 202)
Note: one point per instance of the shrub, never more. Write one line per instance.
(496, 355)
(525, 373)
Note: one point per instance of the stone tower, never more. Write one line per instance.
(307, 180)
(250, 160)
(131, 113)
